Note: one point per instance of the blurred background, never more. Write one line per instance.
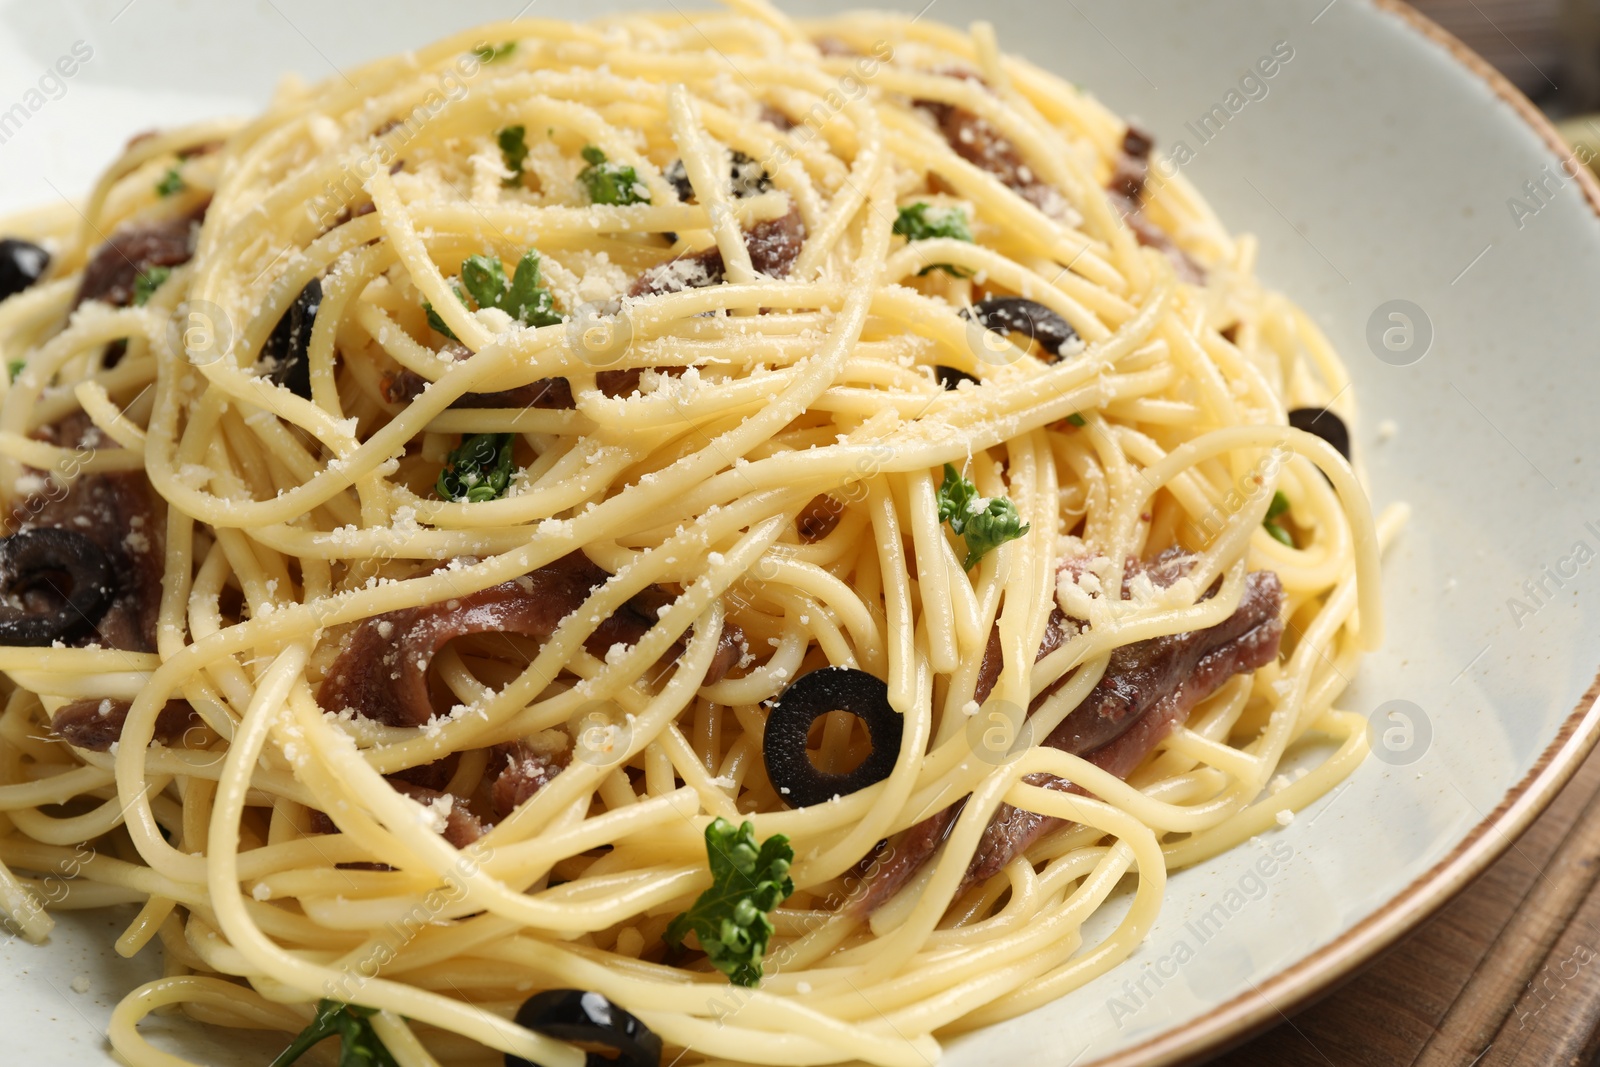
(1549, 48)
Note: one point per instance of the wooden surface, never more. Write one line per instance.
(1508, 973)
(1528, 40)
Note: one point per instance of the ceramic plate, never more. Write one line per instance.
(1388, 173)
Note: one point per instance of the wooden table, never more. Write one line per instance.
(1543, 46)
(1507, 973)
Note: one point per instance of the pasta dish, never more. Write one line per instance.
(698, 540)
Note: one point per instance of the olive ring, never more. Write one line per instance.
(813, 695)
(952, 377)
(287, 347)
(589, 1019)
(1015, 314)
(1324, 424)
(28, 561)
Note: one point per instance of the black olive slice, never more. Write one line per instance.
(55, 584)
(951, 378)
(1325, 424)
(1013, 314)
(677, 176)
(819, 517)
(287, 344)
(793, 775)
(21, 264)
(749, 178)
(589, 1020)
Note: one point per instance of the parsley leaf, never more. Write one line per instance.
(919, 222)
(1077, 420)
(478, 471)
(1279, 505)
(359, 1045)
(731, 918)
(170, 184)
(523, 298)
(611, 183)
(437, 321)
(15, 367)
(983, 525)
(489, 53)
(147, 282)
(485, 279)
(955, 498)
(514, 151)
(527, 300)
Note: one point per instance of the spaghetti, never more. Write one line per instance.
(424, 495)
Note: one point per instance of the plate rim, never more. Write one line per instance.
(1307, 979)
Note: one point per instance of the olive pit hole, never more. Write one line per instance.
(847, 752)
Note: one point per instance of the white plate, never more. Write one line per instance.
(1377, 166)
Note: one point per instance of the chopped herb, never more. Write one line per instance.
(611, 183)
(478, 471)
(731, 918)
(359, 1045)
(485, 279)
(15, 367)
(1077, 419)
(437, 321)
(171, 184)
(982, 524)
(919, 222)
(524, 299)
(489, 53)
(147, 282)
(528, 301)
(514, 151)
(1279, 505)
